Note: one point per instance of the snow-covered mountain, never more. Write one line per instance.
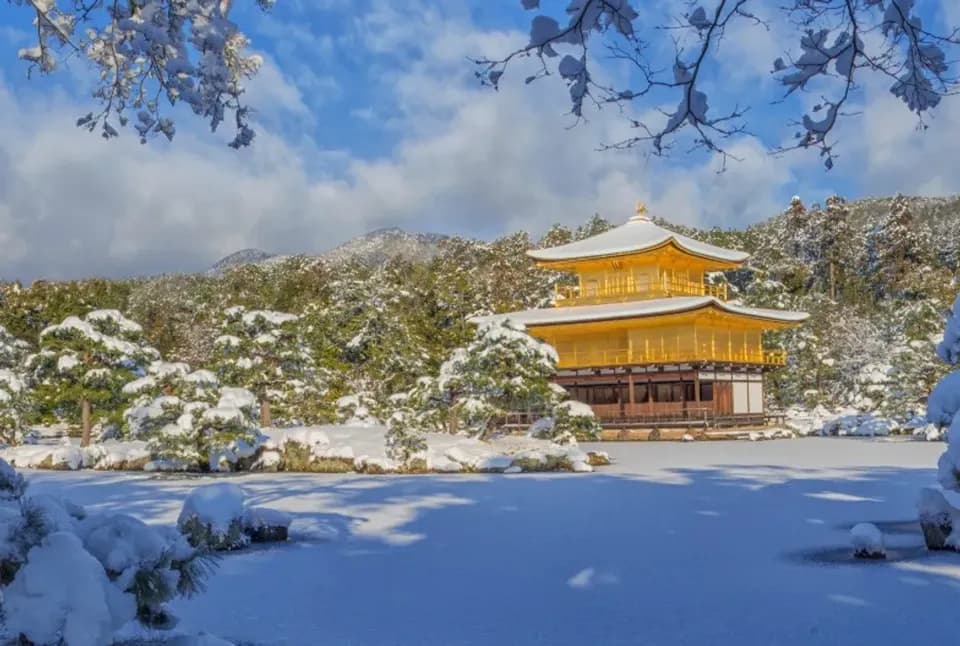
(237, 258)
(371, 249)
(378, 246)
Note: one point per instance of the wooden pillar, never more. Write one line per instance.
(696, 386)
(649, 394)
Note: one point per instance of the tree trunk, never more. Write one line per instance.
(833, 280)
(266, 420)
(85, 422)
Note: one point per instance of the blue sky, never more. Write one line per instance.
(369, 116)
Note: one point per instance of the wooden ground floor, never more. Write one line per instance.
(709, 396)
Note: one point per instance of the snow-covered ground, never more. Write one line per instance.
(675, 543)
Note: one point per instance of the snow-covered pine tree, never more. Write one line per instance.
(405, 440)
(195, 435)
(164, 394)
(503, 369)
(109, 569)
(265, 352)
(13, 391)
(835, 245)
(943, 405)
(83, 364)
(382, 349)
(898, 249)
(594, 226)
(913, 375)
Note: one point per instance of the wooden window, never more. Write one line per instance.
(641, 394)
(689, 391)
(706, 391)
(663, 392)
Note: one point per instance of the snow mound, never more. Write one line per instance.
(85, 613)
(867, 541)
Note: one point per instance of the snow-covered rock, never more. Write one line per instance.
(265, 525)
(867, 542)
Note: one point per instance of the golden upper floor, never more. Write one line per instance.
(639, 260)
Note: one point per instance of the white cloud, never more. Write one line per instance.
(467, 160)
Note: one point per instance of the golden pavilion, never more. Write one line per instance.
(644, 337)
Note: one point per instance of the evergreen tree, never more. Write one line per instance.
(555, 236)
(899, 252)
(374, 321)
(405, 439)
(594, 226)
(13, 395)
(503, 369)
(195, 435)
(265, 352)
(835, 246)
(83, 364)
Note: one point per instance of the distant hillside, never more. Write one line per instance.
(238, 258)
(371, 249)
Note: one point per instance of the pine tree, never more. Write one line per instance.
(83, 364)
(404, 438)
(555, 236)
(503, 369)
(13, 395)
(594, 226)
(197, 435)
(834, 246)
(265, 351)
(380, 344)
(899, 252)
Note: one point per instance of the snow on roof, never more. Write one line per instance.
(638, 234)
(634, 309)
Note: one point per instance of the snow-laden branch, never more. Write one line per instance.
(149, 53)
(840, 41)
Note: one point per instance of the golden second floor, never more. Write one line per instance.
(687, 342)
(616, 284)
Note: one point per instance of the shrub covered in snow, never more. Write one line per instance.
(404, 438)
(73, 578)
(212, 517)
(84, 363)
(265, 352)
(576, 419)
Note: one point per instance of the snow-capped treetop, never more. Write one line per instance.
(92, 360)
(265, 352)
(121, 339)
(267, 318)
(114, 316)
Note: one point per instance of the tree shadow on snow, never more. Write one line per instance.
(739, 553)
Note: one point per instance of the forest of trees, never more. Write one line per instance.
(305, 335)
